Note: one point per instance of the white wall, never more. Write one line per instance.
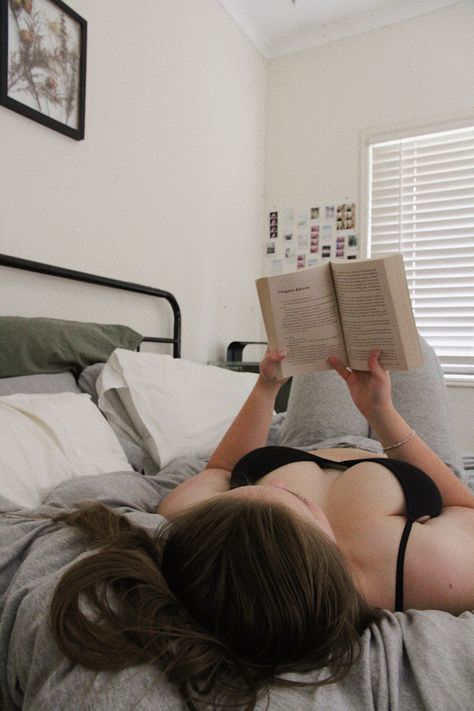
(167, 187)
(320, 100)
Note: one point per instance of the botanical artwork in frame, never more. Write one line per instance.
(43, 63)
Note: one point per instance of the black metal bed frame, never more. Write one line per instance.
(40, 268)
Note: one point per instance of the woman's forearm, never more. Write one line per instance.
(248, 431)
(391, 429)
(250, 428)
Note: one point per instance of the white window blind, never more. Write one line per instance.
(421, 203)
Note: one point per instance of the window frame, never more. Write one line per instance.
(368, 137)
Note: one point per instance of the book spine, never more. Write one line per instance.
(263, 290)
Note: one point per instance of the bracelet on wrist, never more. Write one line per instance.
(399, 444)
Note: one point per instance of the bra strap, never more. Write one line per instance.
(399, 603)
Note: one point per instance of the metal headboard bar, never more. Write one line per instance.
(40, 268)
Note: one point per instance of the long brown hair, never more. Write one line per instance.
(224, 599)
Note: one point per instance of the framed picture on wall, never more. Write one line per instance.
(43, 47)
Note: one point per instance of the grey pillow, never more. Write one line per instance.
(45, 345)
(38, 384)
(134, 453)
(88, 379)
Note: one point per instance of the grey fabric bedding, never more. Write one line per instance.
(39, 383)
(416, 660)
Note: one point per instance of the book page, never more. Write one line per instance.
(367, 312)
(305, 319)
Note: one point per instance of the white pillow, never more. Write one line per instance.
(170, 406)
(45, 439)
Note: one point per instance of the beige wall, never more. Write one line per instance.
(321, 100)
(166, 188)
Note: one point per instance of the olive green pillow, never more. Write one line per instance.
(46, 345)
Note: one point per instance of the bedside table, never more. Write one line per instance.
(234, 361)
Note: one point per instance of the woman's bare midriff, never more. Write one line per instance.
(341, 454)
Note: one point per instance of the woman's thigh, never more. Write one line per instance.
(320, 408)
(420, 397)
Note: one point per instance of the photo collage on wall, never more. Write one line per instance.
(304, 238)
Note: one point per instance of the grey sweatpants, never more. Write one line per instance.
(321, 412)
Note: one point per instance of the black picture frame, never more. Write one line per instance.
(43, 46)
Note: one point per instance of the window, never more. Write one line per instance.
(421, 203)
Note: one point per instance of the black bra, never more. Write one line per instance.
(422, 496)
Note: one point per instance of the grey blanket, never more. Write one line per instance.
(417, 660)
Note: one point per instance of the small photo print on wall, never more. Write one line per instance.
(327, 233)
(290, 255)
(340, 245)
(273, 225)
(302, 241)
(302, 218)
(345, 219)
(276, 266)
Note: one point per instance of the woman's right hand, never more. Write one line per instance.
(370, 389)
(267, 368)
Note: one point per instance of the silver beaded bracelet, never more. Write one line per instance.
(399, 444)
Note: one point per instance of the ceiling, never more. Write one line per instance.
(278, 27)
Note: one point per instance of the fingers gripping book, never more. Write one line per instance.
(344, 309)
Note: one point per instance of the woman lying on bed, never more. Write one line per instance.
(275, 559)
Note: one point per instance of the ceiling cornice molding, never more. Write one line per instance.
(355, 24)
(347, 26)
(249, 26)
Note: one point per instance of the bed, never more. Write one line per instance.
(86, 414)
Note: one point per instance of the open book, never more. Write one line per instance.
(344, 309)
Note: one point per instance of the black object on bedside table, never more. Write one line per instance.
(234, 361)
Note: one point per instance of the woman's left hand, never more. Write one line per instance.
(370, 389)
